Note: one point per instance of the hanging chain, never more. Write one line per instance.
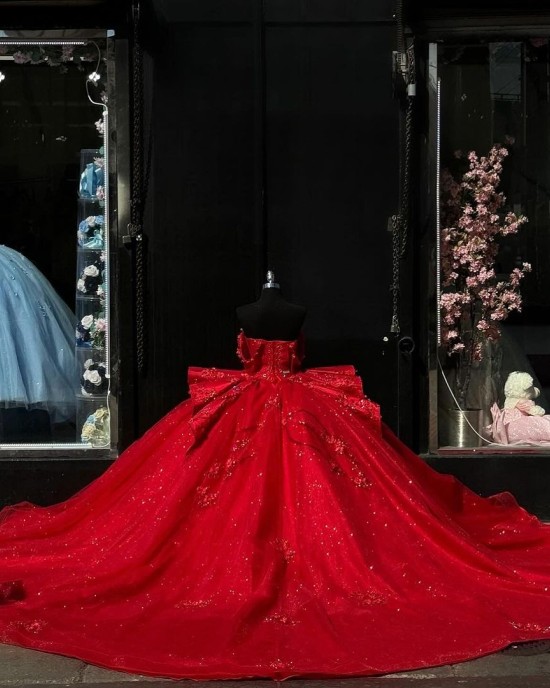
(400, 221)
(396, 258)
(135, 228)
(405, 197)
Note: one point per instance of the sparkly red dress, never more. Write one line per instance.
(271, 526)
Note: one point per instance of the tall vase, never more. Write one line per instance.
(455, 426)
(461, 429)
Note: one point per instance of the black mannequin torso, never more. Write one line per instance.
(271, 317)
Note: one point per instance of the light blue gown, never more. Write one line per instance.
(37, 360)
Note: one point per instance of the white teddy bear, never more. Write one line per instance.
(520, 392)
(521, 421)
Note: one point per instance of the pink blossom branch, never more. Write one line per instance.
(473, 302)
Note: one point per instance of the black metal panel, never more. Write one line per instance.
(456, 8)
(434, 20)
(526, 477)
(217, 11)
(46, 482)
(424, 306)
(332, 171)
(275, 10)
(200, 219)
(81, 14)
(123, 336)
(329, 11)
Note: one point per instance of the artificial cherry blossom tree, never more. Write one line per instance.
(474, 301)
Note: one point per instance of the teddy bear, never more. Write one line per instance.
(519, 393)
(521, 420)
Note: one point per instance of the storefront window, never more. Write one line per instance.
(57, 194)
(493, 245)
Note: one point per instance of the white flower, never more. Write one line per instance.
(91, 271)
(88, 431)
(91, 221)
(92, 376)
(87, 321)
(87, 363)
(101, 413)
(100, 291)
(80, 285)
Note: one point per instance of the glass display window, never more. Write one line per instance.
(490, 325)
(57, 174)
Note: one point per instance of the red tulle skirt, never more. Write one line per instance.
(271, 526)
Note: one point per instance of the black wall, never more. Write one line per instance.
(274, 140)
(275, 144)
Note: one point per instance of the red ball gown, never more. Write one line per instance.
(271, 526)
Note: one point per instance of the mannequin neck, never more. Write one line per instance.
(271, 294)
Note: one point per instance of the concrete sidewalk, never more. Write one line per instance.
(19, 667)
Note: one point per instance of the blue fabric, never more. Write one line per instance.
(90, 232)
(37, 360)
(90, 179)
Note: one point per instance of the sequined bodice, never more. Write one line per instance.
(270, 359)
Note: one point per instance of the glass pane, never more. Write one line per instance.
(54, 257)
(495, 243)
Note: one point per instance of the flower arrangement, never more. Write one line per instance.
(475, 300)
(90, 332)
(94, 379)
(52, 55)
(96, 428)
(91, 278)
(90, 232)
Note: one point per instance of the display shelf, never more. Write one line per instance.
(92, 177)
(91, 336)
(91, 325)
(90, 270)
(93, 420)
(93, 377)
(91, 226)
